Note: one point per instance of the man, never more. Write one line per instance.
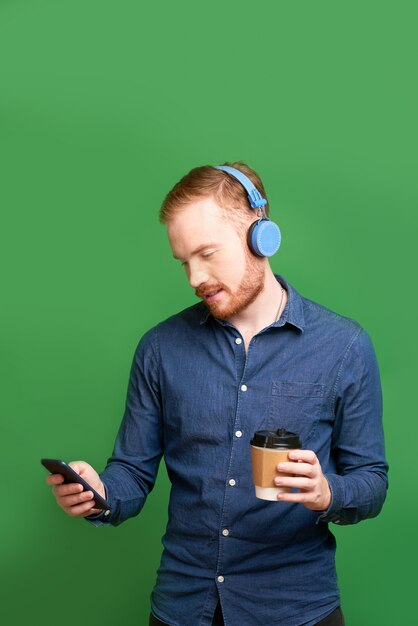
(253, 355)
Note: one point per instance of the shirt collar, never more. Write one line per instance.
(292, 314)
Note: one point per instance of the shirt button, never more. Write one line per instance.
(106, 513)
(221, 579)
(225, 532)
(232, 482)
(238, 433)
(238, 341)
(244, 387)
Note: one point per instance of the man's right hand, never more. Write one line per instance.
(71, 497)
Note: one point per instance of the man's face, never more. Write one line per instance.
(216, 258)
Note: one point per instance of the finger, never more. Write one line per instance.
(290, 496)
(300, 469)
(312, 500)
(54, 479)
(95, 511)
(307, 456)
(80, 510)
(65, 490)
(306, 484)
(67, 502)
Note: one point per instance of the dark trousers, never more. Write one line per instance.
(335, 619)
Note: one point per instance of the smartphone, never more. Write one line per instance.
(70, 476)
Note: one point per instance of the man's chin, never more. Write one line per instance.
(224, 312)
(221, 312)
(234, 306)
(217, 311)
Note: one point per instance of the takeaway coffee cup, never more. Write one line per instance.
(269, 447)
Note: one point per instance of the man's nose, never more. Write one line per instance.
(196, 275)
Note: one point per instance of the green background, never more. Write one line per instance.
(103, 106)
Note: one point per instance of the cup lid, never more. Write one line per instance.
(280, 438)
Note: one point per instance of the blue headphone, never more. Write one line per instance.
(263, 236)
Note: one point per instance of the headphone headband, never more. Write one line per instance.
(254, 196)
(263, 236)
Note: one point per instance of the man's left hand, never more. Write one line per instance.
(304, 472)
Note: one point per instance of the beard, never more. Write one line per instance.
(250, 287)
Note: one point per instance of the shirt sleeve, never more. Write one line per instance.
(132, 469)
(359, 486)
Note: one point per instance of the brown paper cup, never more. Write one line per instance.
(264, 462)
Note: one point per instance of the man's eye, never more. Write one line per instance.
(208, 254)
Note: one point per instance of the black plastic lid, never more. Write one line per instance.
(280, 438)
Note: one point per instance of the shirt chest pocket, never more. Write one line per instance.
(297, 407)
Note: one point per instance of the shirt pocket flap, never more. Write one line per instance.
(297, 390)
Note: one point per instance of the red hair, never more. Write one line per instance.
(206, 181)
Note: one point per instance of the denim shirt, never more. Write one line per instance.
(196, 397)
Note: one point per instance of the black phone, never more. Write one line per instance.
(70, 476)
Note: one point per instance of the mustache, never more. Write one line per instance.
(203, 290)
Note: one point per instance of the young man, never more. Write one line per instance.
(254, 354)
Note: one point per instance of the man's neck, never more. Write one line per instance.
(266, 309)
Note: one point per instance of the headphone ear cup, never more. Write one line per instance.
(264, 237)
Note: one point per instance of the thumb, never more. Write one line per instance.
(79, 467)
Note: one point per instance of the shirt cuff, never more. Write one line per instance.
(332, 514)
(98, 519)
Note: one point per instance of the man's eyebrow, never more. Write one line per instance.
(198, 249)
